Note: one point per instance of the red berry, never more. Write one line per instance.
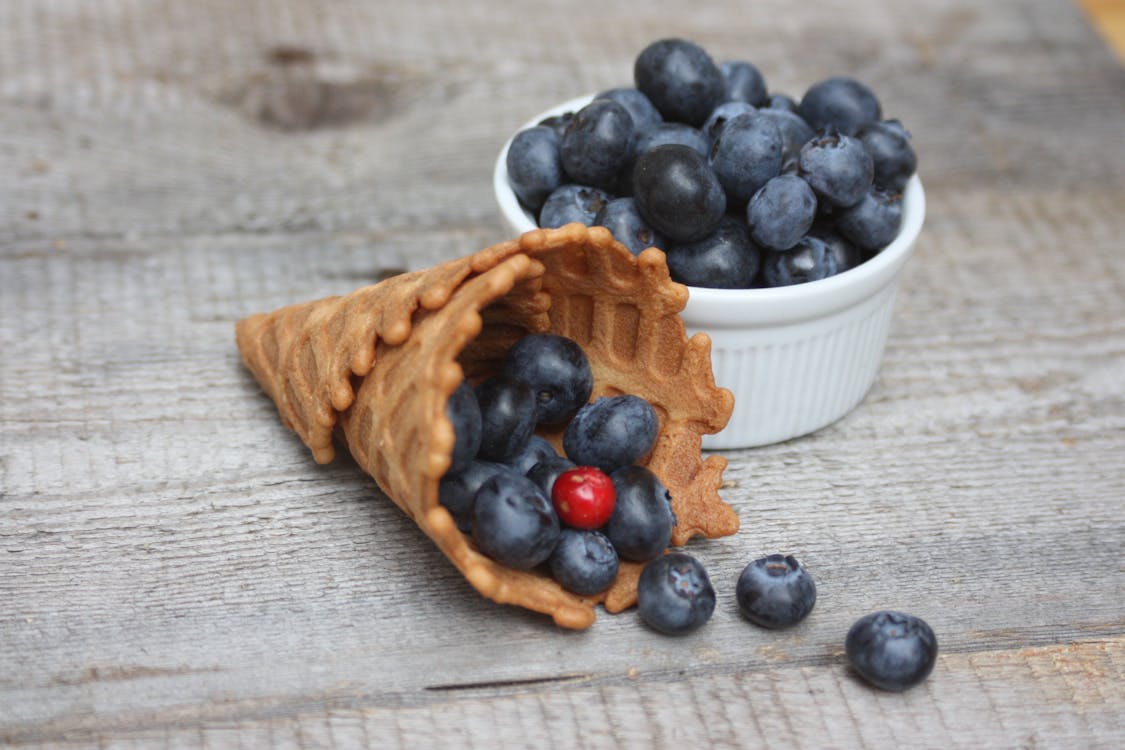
(584, 497)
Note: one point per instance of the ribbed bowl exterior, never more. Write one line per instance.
(791, 380)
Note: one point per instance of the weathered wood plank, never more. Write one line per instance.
(303, 561)
(1047, 696)
(114, 130)
(175, 570)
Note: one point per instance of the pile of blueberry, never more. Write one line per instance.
(741, 187)
(890, 650)
(578, 515)
(523, 503)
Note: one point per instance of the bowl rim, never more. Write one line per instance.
(742, 308)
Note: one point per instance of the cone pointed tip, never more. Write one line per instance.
(324, 454)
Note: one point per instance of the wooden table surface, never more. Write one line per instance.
(176, 571)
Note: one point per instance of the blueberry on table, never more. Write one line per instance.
(872, 223)
(507, 409)
(746, 155)
(775, 591)
(534, 166)
(678, 192)
(597, 143)
(556, 369)
(891, 650)
(463, 412)
(640, 526)
(725, 259)
(893, 155)
(675, 595)
(584, 562)
(837, 167)
(811, 259)
(781, 212)
(457, 492)
(621, 217)
(744, 82)
(644, 113)
(570, 203)
(680, 79)
(514, 522)
(536, 451)
(841, 103)
(611, 432)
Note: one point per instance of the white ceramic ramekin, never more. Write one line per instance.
(797, 358)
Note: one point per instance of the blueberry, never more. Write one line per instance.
(507, 409)
(584, 561)
(746, 155)
(644, 113)
(558, 372)
(514, 523)
(463, 412)
(809, 260)
(680, 79)
(457, 492)
(597, 143)
(640, 526)
(675, 595)
(611, 432)
(775, 592)
(783, 102)
(571, 203)
(534, 167)
(621, 217)
(837, 167)
(722, 114)
(744, 83)
(841, 103)
(847, 255)
(548, 470)
(891, 650)
(557, 123)
(893, 155)
(872, 223)
(678, 193)
(725, 259)
(673, 133)
(795, 133)
(536, 451)
(781, 212)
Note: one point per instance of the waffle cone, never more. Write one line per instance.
(375, 368)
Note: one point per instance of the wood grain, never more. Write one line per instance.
(1040, 695)
(177, 572)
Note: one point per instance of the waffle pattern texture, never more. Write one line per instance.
(373, 370)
